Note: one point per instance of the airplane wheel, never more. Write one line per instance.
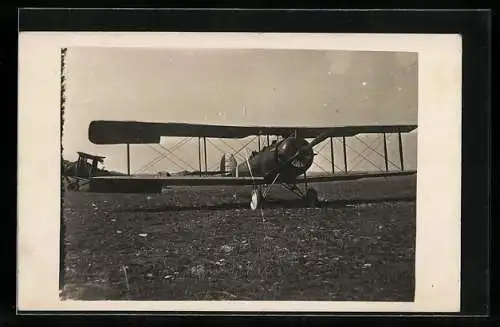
(256, 200)
(73, 186)
(311, 197)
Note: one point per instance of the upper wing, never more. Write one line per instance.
(125, 184)
(132, 132)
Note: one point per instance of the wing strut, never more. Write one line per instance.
(401, 151)
(205, 152)
(385, 154)
(345, 153)
(331, 155)
(199, 154)
(128, 159)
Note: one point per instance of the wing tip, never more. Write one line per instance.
(121, 132)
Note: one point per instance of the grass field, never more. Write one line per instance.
(205, 243)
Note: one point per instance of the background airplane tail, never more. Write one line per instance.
(228, 164)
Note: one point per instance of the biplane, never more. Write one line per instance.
(285, 161)
(78, 174)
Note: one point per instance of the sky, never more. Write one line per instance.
(239, 87)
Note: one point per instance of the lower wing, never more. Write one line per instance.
(354, 176)
(144, 184)
(153, 184)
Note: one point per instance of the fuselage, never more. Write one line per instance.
(275, 158)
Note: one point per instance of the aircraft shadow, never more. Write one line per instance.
(272, 203)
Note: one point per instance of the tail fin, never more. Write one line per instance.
(233, 165)
(228, 164)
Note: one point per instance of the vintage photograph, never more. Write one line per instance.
(254, 174)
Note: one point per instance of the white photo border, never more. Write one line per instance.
(438, 179)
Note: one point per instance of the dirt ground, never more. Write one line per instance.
(204, 243)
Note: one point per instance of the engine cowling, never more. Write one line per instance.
(294, 147)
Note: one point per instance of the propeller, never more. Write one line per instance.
(290, 153)
(298, 152)
(306, 150)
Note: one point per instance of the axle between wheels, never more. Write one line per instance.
(257, 198)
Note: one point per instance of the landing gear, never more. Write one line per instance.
(311, 197)
(256, 200)
(73, 185)
(258, 196)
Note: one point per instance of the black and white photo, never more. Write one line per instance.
(192, 171)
